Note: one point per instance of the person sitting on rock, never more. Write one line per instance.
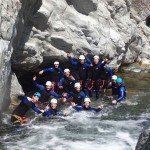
(94, 76)
(46, 91)
(83, 69)
(87, 106)
(121, 91)
(77, 95)
(51, 109)
(18, 115)
(114, 86)
(56, 74)
(66, 83)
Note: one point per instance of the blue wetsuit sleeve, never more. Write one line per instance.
(122, 90)
(24, 99)
(41, 87)
(96, 109)
(55, 94)
(88, 60)
(49, 69)
(87, 66)
(47, 112)
(78, 108)
(102, 64)
(83, 95)
(69, 95)
(60, 113)
(110, 73)
(61, 82)
(72, 61)
(37, 110)
(21, 97)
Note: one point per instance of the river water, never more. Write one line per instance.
(115, 128)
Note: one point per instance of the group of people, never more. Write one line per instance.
(94, 76)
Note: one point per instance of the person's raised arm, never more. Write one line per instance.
(41, 87)
(56, 95)
(71, 60)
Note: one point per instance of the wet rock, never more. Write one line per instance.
(144, 141)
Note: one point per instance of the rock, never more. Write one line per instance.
(144, 141)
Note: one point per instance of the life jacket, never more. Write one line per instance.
(56, 75)
(83, 72)
(114, 88)
(68, 84)
(45, 95)
(77, 99)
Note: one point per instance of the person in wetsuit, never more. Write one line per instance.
(45, 91)
(66, 83)
(56, 74)
(114, 86)
(77, 95)
(51, 110)
(94, 76)
(83, 69)
(18, 115)
(87, 106)
(121, 91)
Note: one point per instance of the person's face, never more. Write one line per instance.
(56, 66)
(87, 104)
(82, 61)
(67, 74)
(77, 89)
(35, 99)
(48, 87)
(53, 105)
(113, 80)
(96, 61)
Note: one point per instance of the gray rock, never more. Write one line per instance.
(144, 141)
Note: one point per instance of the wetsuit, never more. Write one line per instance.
(22, 108)
(105, 75)
(53, 112)
(114, 88)
(56, 75)
(94, 76)
(82, 71)
(83, 108)
(78, 97)
(121, 93)
(67, 83)
(45, 94)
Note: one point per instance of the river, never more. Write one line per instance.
(115, 128)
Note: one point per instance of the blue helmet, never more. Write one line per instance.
(37, 94)
(119, 80)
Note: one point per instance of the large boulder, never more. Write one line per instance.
(144, 141)
(46, 30)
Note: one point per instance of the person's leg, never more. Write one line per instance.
(97, 94)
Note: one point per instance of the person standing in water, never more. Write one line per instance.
(18, 115)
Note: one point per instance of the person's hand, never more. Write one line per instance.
(34, 78)
(86, 53)
(73, 104)
(114, 102)
(61, 87)
(68, 54)
(42, 110)
(64, 100)
(91, 65)
(41, 72)
(106, 59)
(101, 106)
(46, 108)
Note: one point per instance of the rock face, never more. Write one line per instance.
(144, 141)
(47, 29)
(36, 32)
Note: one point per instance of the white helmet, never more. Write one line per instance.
(53, 100)
(114, 77)
(96, 57)
(87, 99)
(81, 57)
(56, 63)
(48, 83)
(66, 70)
(77, 85)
